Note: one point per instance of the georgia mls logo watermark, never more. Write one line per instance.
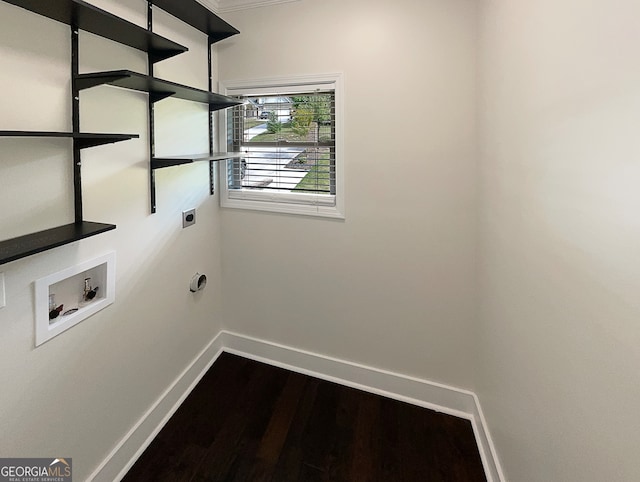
(35, 470)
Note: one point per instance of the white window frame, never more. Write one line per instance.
(290, 203)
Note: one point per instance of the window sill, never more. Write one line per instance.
(316, 210)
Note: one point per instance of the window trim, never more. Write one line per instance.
(289, 203)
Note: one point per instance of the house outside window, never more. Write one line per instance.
(289, 132)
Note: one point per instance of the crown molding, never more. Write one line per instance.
(213, 5)
(234, 5)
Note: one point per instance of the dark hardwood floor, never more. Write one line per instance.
(247, 421)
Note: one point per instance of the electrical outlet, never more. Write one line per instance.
(188, 218)
(2, 296)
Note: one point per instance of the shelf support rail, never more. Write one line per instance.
(212, 178)
(75, 119)
(151, 103)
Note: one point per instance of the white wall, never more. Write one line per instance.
(393, 285)
(79, 393)
(560, 277)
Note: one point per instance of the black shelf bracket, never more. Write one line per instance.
(86, 82)
(82, 141)
(158, 96)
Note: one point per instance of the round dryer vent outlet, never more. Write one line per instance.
(198, 282)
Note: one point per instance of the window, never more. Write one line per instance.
(289, 132)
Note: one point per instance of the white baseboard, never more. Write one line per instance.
(126, 452)
(424, 393)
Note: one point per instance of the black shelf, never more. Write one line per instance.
(160, 162)
(158, 89)
(92, 19)
(82, 139)
(23, 246)
(199, 17)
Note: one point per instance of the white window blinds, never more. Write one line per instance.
(289, 143)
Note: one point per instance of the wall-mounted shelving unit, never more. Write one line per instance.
(80, 15)
(216, 29)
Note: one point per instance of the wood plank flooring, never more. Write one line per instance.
(248, 421)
